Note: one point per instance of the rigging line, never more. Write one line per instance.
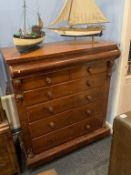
(30, 11)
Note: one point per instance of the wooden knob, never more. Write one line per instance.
(88, 84)
(51, 110)
(52, 125)
(88, 112)
(19, 98)
(89, 97)
(19, 71)
(89, 70)
(49, 94)
(88, 127)
(48, 80)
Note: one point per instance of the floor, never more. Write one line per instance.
(90, 160)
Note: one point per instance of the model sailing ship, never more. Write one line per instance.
(80, 12)
(26, 40)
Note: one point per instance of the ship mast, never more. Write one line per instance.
(24, 16)
(70, 12)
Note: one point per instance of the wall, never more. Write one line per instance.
(124, 89)
(11, 16)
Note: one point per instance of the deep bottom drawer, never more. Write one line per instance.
(63, 135)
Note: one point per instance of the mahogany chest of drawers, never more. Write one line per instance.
(61, 92)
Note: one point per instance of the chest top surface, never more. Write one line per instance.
(12, 56)
(58, 55)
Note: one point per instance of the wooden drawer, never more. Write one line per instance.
(45, 80)
(88, 70)
(53, 107)
(63, 135)
(46, 94)
(53, 78)
(64, 119)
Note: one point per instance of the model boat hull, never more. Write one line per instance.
(78, 32)
(24, 45)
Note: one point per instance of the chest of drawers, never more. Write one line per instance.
(61, 92)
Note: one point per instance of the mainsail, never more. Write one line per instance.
(40, 22)
(80, 12)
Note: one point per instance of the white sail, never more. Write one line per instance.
(64, 14)
(86, 12)
(40, 22)
(81, 12)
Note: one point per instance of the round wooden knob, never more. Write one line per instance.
(51, 110)
(88, 112)
(48, 81)
(89, 70)
(88, 83)
(49, 94)
(89, 97)
(52, 125)
(88, 127)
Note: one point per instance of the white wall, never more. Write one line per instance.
(124, 89)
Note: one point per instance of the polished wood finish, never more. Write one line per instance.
(61, 92)
(8, 160)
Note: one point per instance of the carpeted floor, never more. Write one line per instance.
(90, 160)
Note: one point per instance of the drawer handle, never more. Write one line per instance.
(89, 70)
(48, 81)
(51, 110)
(88, 127)
(88, 83)
(50, 94)
(89, 97)
(52, 125)
(89, 112)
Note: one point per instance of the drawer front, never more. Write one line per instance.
(88, 70)
(54, 107)
(64, 119)
(46, 94)
(63, 135)
(45, 80)
(53, 78)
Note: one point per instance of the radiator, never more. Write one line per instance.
(9, 105)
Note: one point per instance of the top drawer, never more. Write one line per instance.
(45, 80)
(88, 70)
(64, 75)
